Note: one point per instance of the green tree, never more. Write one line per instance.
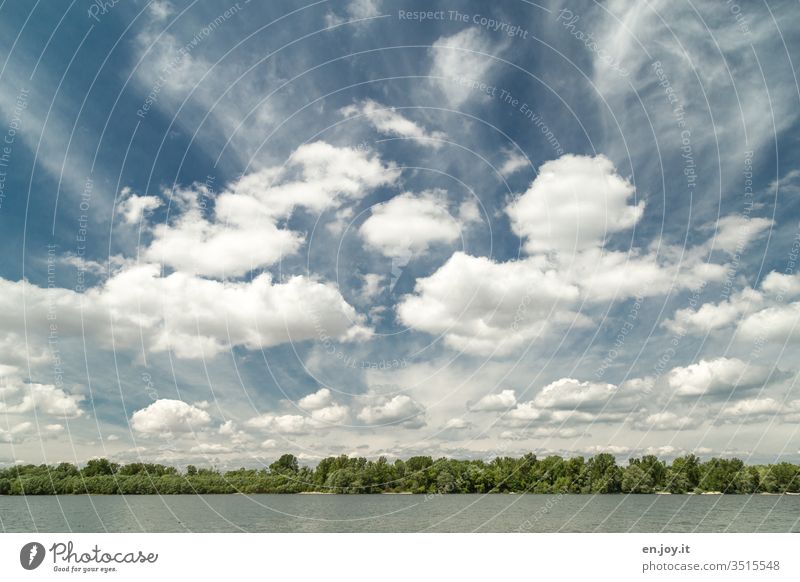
(99, 467)
(286, 464)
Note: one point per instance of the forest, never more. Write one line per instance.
(421, 475)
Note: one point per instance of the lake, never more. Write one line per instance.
(401, 513)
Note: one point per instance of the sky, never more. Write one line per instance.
(382, 227)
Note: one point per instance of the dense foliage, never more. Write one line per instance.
(527, 474)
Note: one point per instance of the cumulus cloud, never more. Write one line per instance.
(18, 397)
(25, 431)
(319, 399)
(712, 316)
(495, 402)
(572, 394)
(166, 417)
(184, 307)
(575, 203)
(324, 412)
(195, 317)
(333, 414)
(133, 207)
(387, 121)
(400, 409)
(410, 223)
(754, 410)
(564, 219)
(190, 315)
(231, 432)
(666, 420)
(568, 402)
(287, 424)
(736, 232)
(481, 306)
(242, 232)
(297, 424)
(777, 324)
(719, 376)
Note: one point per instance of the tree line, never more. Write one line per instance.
(421, 474)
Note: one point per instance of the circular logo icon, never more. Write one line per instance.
(31, 555)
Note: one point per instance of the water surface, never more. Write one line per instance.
(401, 513)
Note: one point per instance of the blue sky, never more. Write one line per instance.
(384, 227)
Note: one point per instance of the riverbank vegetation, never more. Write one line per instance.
(527, 474)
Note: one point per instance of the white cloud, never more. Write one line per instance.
(781, 285)
(28, 431)
(603, 275)
(8, 370)
(364, 8)
(224, 246)
(243, 233)
(400, 409)
(469, 211)
(711, 316)
(514, 162)
(485, 307)
(14, 435)
(572, 394)
(574, 203)
(372, 286)
(286, 424)
(524, 413)
(788, 184)
(17, 397)
(761, 409)
(166, 417)
(333, 414)
(666, 420)
(160, 9)
(193, 316)
(319, 399)
(778, 323)
(133, 207)
(324, 413)
(461, 56)
(769, 313)
(718, 376)
(495, 402)
(457, 424)
(568, 402)
(564, 219)
(734, 233)
(410, 223)
(231, 432)
(387, 121)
